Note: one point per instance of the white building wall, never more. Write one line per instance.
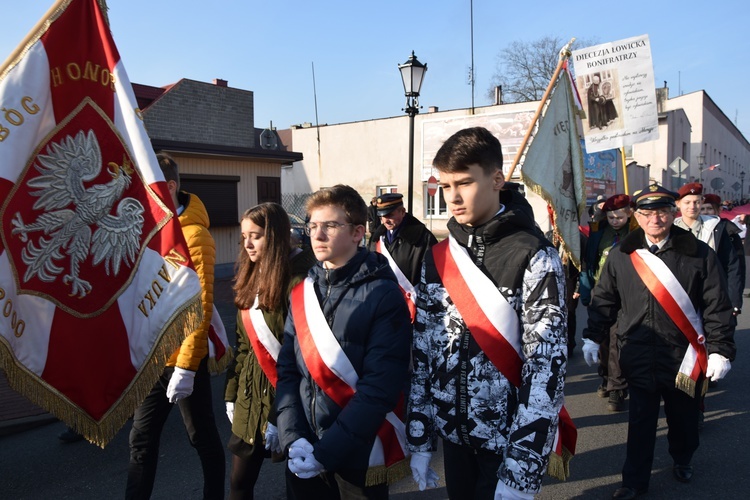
(375, 153)
(718, 139)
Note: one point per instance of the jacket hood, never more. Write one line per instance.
(195, 211)
(679, 240)
(364, 266)
(517, 216)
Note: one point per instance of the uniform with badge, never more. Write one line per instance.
(405, 245)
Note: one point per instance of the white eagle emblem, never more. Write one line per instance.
(70, 209)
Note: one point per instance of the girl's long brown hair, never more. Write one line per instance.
(269, 277)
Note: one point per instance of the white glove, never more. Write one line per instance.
(590, 352)
(423, 475)
(301, 461)
(718, 367)
(230, 411)
(505, 492)
(272, 438)
(180, 385)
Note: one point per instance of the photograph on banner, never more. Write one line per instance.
(617, 80)
(601, 174)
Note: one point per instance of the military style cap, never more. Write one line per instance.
(691, 188)
(713, 199)
(616, 202)
(389, 202)
(654, 196)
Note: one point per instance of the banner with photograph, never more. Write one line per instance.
(616, 84)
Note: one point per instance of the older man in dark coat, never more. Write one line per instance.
(674, 332)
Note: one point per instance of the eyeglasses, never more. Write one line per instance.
(661, 213)
(329, 228)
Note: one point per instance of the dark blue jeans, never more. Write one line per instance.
(198, 416)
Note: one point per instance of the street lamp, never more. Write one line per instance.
(412, 74)
(742, 188)
(701, 159)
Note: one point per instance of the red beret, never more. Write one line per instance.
(691, 188)
(713, 199)
(616, 202)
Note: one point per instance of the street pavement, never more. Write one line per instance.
(35, 465)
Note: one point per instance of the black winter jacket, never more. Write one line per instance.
(409, 247)
(517, 423)
(651, 345)
(367, 313)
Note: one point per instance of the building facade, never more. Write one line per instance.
(227, 162)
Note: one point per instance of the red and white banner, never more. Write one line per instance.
(96, 283)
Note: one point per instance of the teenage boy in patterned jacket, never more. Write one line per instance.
(496, 414)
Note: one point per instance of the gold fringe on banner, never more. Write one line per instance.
(380, 474)
(101, 432)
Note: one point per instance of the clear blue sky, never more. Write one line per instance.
(269, 47)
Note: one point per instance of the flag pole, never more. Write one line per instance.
(624, 171)
(564, 55)
(48, 18)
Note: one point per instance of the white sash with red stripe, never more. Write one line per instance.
(333, 372)
(264, 343)
(410, 294)
(494, 324)
(673, 298)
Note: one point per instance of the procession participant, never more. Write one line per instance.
(490, 335)
(344, 360)
(674, 331)
(603, 238)
(404, 241)
(185, 380)
(267, 269)
(711, 230)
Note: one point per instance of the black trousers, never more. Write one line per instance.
(609, 362)
(198, 417)
(682, 420)
(470, 473)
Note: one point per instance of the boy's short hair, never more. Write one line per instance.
(169, 168)
(470, 146)
(344, 197)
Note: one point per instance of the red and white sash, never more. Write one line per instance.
(407, 288)
(494, 324)
(219, 352)
(673, 298)
(333, 372)
(265, 344)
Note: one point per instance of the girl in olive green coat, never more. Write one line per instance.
(267, 269)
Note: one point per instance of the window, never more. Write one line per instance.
(435, 206)
(385, 189)
(218, 193)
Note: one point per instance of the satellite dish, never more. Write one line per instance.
(268, 139)
(717, 183)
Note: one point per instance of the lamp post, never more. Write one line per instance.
(412, 74)
(701, 159)
(742, 188)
